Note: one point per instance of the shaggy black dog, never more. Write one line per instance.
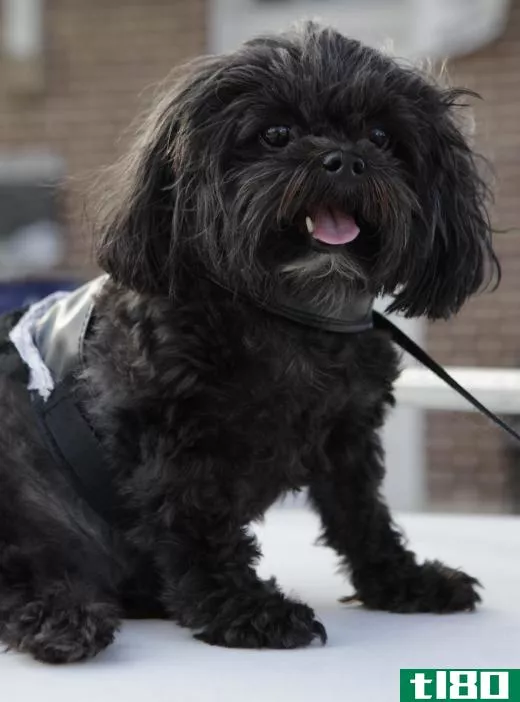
(304, 167)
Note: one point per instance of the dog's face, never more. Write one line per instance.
(309, 161)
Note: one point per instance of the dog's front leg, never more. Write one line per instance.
(210, 585)
(357, 524)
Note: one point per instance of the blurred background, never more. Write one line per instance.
(74, 74)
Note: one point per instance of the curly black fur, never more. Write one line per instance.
(209, 408)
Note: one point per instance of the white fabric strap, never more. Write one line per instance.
(40, 377)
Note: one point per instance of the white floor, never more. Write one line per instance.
(156, 661)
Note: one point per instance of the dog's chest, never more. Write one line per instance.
(281, 400)
(248, 409)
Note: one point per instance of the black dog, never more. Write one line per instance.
(271, 194)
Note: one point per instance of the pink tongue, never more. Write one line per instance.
(333, 227)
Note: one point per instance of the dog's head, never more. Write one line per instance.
(305, 160)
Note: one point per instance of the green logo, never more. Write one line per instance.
(460, 685)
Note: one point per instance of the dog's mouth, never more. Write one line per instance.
(331, 227)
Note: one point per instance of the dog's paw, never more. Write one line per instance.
(432, 587)
(276, 622)
(61, 633)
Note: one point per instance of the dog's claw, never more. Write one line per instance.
(319, 630)
(349, 598)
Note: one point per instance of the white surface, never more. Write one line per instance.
(160, 662)
(433, 29)
(23, 28)
(34, 166)
(497, 388)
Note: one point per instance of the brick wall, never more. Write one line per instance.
(100, 58)
(468, 467)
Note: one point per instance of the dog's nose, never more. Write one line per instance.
(333, 162)
(336, 161)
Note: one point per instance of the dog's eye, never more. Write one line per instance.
(276, 136)
(378, 137)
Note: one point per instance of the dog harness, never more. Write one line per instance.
(41, 349)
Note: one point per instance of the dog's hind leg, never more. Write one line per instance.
(55, 595)
(60, 621)
(56, 591)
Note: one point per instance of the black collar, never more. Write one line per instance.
(354, 316)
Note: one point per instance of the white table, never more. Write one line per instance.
(159, 662)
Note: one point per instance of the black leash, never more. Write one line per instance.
(404, 341)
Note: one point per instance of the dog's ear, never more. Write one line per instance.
(145, 215)
(450, 253)
(135, 223)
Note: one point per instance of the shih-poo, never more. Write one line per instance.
(228, 355)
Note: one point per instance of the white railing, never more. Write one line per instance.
(419, 389)
(497, 388)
